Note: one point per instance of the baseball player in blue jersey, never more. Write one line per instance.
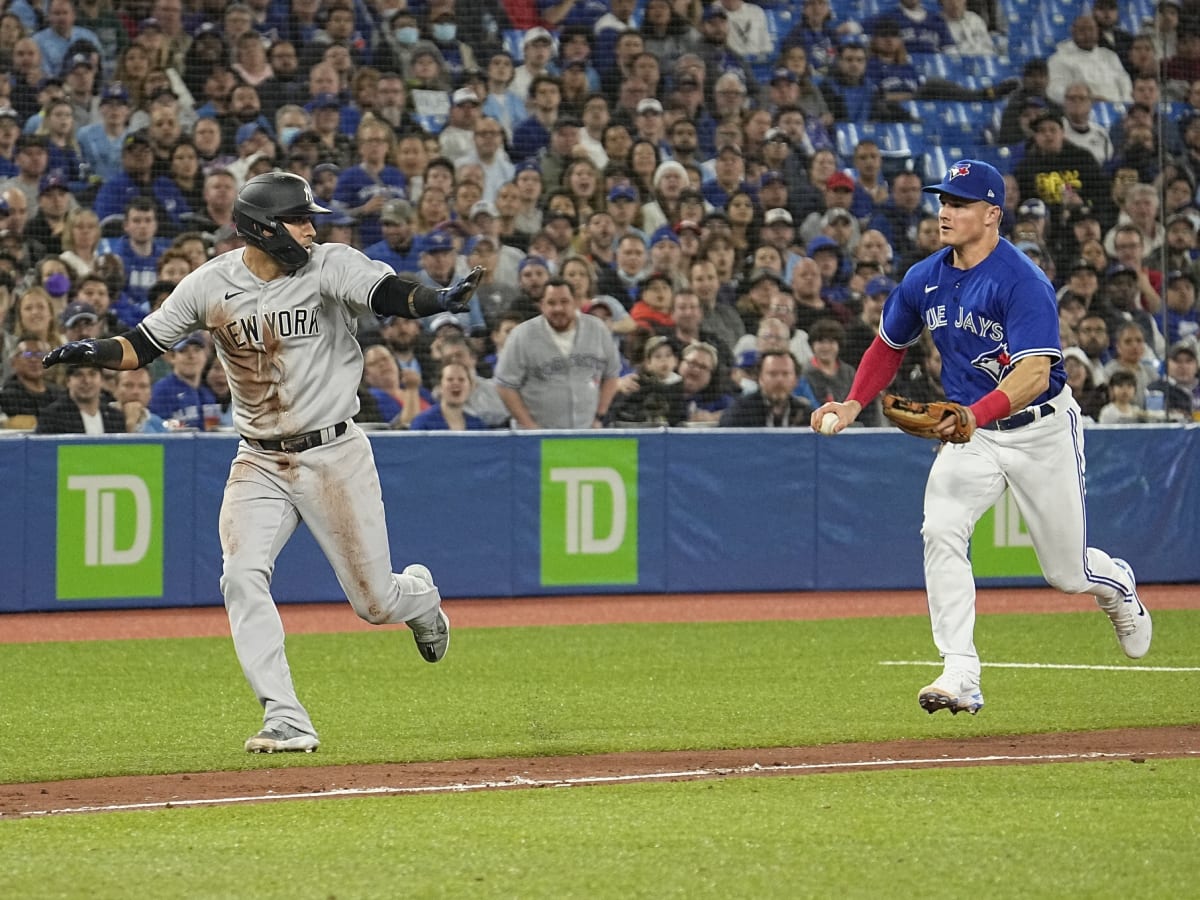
(992, 314)
(283, 314)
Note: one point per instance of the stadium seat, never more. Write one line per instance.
(762, 67)
(1107, 114)
(934, 164)
(932, 65)
(780, 21)
(431, 123)
(846, 138)
(512, 43)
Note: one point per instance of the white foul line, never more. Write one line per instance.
(1014, 665)
(521, 781)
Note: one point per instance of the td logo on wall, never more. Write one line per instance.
(1001, 545)
(110, 521)
(589, 520)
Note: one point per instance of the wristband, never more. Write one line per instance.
(990, 407)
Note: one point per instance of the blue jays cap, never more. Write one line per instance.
(822, 242)
(194, 339)
(474, 243)
(53, 180)
(437, 242)
(327, 101)
(664, 233)
(114, 93)
(880, 284)
(76, 61)
(528, 166)
(249, 130)
(532, 261)
(713, 12)
(971, 179)
(622, 192)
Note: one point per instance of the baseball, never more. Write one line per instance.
(828, 422)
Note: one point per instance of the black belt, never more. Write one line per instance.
(1021, 419)
(300, 442)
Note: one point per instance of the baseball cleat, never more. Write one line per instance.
(933, 698)
(1130, 619)
(431, 630)
(951, 692)
(282, 738)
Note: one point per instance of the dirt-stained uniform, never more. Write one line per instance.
(283, 314)
(294, 365)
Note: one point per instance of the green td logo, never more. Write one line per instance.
(110, 521)
(1001, 544)
(589, 511)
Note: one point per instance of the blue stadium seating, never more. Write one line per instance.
(779, 22)
(1107, 114)
(937, 157)
(512, 43)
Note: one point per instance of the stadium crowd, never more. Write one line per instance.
(707, 204)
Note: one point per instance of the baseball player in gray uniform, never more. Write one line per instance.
(282, 314)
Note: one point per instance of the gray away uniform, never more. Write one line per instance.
(294, 365)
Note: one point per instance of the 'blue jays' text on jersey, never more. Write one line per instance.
(984, 320)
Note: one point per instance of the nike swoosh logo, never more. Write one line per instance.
(1141, 609)
(230, 294)
(929, 289)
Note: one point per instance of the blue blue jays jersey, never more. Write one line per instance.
(983, 320)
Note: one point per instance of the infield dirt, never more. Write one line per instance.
(108, 794)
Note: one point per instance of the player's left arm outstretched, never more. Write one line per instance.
(392, 296)
(396, 296)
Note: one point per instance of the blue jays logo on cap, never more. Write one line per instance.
(437, 241)
(971, 179)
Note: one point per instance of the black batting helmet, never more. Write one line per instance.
(262, 205)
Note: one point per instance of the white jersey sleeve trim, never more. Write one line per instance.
(1052, 352)
(887, 340)
(152, 339)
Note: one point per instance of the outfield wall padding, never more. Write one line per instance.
(499, 514)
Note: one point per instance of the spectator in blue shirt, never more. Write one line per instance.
(817, 34)
(922, 30)
(59, 35)
(139, 250)
(362, 190)
(533, 134)
(396, 247)
(849, 95)
(448, 414)
(101, 143)
(182, 395)
(137, 181)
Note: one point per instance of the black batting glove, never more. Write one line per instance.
(457, 297)
(74, 353)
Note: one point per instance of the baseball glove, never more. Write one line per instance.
(921, 419)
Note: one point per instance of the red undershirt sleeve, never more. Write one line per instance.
(878, 367)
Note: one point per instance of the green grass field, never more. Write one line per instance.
(1099, 829)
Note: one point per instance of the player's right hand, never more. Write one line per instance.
(74, 353)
